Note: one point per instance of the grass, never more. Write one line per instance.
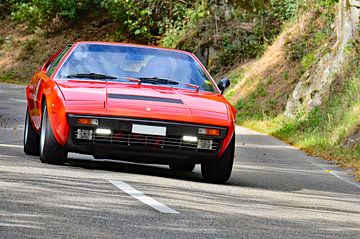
(326, 130)
(7, 77)
(323, 131)
(11, 78)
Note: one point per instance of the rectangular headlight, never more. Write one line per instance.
(187, 138)
(103, 131)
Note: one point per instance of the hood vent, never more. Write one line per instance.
(145, 98)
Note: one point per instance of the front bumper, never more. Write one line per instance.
(124, 145)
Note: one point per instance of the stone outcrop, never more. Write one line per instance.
(314, 86)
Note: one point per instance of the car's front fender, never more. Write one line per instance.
(56, 106)
(231, 129)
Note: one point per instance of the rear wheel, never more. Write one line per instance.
(31, 138)
(50, 150)
(219, 170)
(184, 167)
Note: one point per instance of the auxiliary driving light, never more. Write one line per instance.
(87, 121)
(187, 138)
(85, 134)
(205, 144)
(210, 132)
(103, 131)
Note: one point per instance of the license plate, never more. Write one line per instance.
(148, 129)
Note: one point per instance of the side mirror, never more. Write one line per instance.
(223, 84)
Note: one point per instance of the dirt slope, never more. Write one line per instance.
(22, 52)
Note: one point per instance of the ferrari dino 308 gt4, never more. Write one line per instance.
(130, 102)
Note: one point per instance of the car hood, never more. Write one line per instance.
(144, 101)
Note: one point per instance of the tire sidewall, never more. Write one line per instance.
(26, 130)
(43, 131)
(31, 137)
(50, 150)
(219, 170)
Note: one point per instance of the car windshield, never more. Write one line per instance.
(131, 63)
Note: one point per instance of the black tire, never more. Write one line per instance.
(183, 167)
(219, 170)
(31, 138)
(50, 150)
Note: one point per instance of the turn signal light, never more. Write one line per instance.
(86, 121)
(210, 132)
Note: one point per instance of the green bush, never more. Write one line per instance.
(146, 20)
(7, 76)
(181, 28)
(285, 9)
(245, 33)
(40, 12)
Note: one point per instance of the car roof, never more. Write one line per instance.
(132, 45)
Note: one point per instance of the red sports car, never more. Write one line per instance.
(130, 102)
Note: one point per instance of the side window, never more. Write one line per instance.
(52, 66)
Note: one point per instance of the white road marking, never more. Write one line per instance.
(8, 156)
(142, 197)
(18, 100)
(12, 128)
(354, 183)
(11, 146)
(245, 145)
(336, 172)
(324, 165)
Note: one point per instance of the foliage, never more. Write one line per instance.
(305, 47)
(145, 20)
(246, 34)
(7, 77)
(41, 12)
(198, 26)
(180, 28)
(243, 32)
(285, 9)
(308, 60)
(326, 3)
(189, 25)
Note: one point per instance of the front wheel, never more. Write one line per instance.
(219, 170)
(50, 150)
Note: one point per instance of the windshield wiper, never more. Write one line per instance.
(164, 81)
(196, 87)
(157, 80)
(94, 76)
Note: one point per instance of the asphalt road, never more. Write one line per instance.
(275, 191)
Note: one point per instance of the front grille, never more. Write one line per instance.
(147, 141)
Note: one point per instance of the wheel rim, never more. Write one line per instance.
(43, 131)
